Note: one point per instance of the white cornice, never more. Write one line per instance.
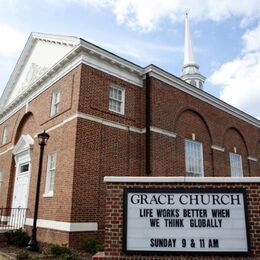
(57, 39)
(112, 58)
(165, 179)
(59, 70)
(105, 65)
(200, 94)
(111, 64)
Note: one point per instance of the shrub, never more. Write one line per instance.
(91, 245)
(17, 238)
(22, 256)
(57, 250)
(68, 257)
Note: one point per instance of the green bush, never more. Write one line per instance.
(57, 250)
(91, 245)
(17, 238)
(22, 256)
(68, 257)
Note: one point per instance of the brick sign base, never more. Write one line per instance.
(114, 232)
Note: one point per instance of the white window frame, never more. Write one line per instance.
(50, 171)
(189, 160)
(55, 101)
(5, 135)
(122, 101)
(236, 167)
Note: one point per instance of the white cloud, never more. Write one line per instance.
(252, 40)
(145, 15)
(12, 41)
(240, 78)
(144, 52)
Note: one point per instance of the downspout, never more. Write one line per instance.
(148, 124)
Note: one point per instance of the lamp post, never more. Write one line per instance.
(33, 245)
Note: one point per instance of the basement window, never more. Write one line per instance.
(117, 100)
(193, 158)
(236, 165)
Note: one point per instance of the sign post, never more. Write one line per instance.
(185, 221)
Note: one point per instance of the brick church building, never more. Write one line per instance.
(107, 116)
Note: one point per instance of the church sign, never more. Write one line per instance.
(185, 221)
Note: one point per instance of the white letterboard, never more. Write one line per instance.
(185, 221)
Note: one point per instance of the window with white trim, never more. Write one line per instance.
(5, 135)
(193, 158)
(117, 100)
(55, 101)
(50, 175)
(236, 165)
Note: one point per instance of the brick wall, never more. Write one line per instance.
(184, 115)
(114, 216)
(87, 150)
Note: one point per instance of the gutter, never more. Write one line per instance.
(148, 125)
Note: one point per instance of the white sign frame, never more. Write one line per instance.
(128, 223)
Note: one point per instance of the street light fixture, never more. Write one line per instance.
(33, 245)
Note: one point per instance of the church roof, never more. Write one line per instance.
(47, 57)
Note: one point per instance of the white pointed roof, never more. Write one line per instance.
(24, 143)
(40, 53)
(189, 57)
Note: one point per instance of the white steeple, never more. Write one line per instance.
(190, 70)
(189, 57)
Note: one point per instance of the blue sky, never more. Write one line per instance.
(225, 35)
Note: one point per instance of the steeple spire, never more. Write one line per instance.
(190, 70)
(189, 57)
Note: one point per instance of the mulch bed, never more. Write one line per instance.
(13, 251)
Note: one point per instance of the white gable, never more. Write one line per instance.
(25, 142)
(39, 55)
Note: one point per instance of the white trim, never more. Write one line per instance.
(5, 135)
(236, 167)
(48, 195)
(52, 158)
(218, 148)
(110, 123)
(198, 93)
(87, 53)
(122, 101)
(162, 131)
(4, 218)
(70, 118)
(47, 80)
(112, 68)
(66, 40)
(250, 158)
(197, 163)
(7, 150)
(64, 226)
(55, 102)
(181, 179)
